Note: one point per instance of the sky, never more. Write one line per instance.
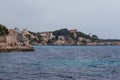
(100, 17)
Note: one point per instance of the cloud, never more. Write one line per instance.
(90, 16)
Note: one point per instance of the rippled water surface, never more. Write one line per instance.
(62, 63)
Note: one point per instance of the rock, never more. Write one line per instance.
(20, 49)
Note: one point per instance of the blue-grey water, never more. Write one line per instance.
(62, 63)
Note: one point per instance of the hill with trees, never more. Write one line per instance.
(61, 37)
(57, 37)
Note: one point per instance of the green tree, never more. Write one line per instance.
(34, 40)
(80, 34)
(28, 36)
(95, 36)
(40, 39)
(3, 30)
(62, 32)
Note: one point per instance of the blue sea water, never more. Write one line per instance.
(62, 63)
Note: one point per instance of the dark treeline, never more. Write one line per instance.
(67, 33)
(3, 30)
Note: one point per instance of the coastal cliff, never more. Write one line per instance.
(16, 40)
(67, 37)
(13, 40)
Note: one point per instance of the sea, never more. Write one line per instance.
(62, 63)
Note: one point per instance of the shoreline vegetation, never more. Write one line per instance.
(12, 40)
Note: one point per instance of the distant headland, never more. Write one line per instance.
(22, 40)
(66, 37)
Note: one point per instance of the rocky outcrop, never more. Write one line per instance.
(60, 42)
(4, 47)
(24, 49)
(12, 42)
(2, 39)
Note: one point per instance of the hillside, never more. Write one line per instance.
(60, 37)
(14, 37)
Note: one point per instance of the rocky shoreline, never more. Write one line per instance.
(15, 40)
(22, 49)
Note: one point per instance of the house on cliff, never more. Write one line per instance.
(74, 31)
